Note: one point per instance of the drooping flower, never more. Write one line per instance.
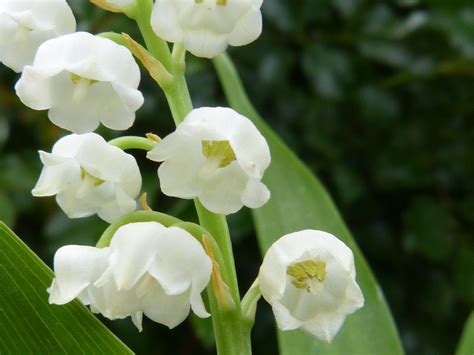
(89, 176)
(148, 269)
(308, 277)
(83, 80)
(76, 269)
(207, 27)
(217, 155)
(25, 24)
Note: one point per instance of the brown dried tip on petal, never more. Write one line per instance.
(144, 202)
(106, 6)
(153, 137)
(221, 290)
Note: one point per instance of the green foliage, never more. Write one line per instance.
(29, 324)
(304, 204)
(466, 344)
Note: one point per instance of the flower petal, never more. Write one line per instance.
(170, 310)
(133, 250)
(221, 193)
(325, 326)
(180, 263)
(164, 21)
(117, 207)
(34, 89)
(179, 175)
(285, 320)
(76, 267)
(58, 174)
(247, 29)
(204, 43)
(255, 194)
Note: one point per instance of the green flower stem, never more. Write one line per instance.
(249, 303)
(132, 142)
(217, 225)
(231, 337)
(179, 99)
(139, 216)
(157, 47)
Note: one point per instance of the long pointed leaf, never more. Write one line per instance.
(299, 201)
(28, 324)
(466, 345)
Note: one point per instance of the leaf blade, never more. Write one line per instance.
(306, 204)
(31, 325)
(466, 344)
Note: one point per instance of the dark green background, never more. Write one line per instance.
(377, 97)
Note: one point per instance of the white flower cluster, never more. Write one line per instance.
(309, 279)
(25, 24)
(148, 269)
(215, 155)
(89, 176)
(207, 27)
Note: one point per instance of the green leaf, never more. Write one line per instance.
(299, 201)
(466, 345)
(28, 324)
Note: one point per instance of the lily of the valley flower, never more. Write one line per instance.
(83, 80)
(89, 176)
(308, 277)
(25, 24)
(217, 155)
(148, 269)
(207, 27)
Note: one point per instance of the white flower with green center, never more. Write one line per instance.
(25, 24)
(207, 27)
(89, 176)
(308, 277)
(148, 269)
(83, 80)
(217, 155)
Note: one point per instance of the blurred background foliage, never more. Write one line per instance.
(377, 97)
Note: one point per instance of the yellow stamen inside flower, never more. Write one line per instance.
(218, 2)
(81, 86)
(220, 151)
(308, 274)
(92, 180)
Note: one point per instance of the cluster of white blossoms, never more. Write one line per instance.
(207, 27)
(83, 80)
(147, 269)
(89, 176)
(25, 24)
(309, 279)
(215, 155)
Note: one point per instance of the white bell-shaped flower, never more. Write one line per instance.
(308, 277)
(89, 176)
(148, 269)
(25, 24)
(207, 27)
(83, 80)
(217, 155)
